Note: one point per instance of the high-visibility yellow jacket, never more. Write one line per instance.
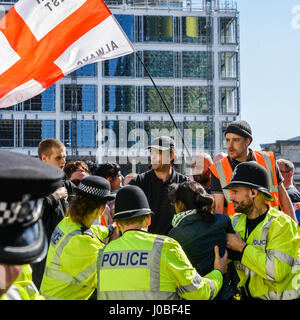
(70, 272)
(140, 265)
(23, 288)
(270, 265)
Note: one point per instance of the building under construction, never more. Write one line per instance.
(109, 111)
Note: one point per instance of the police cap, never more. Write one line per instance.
(24, 181)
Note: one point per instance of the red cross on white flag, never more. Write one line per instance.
(41, 41)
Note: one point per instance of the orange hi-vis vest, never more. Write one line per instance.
(223, 171)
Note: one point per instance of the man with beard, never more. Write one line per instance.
(155, 183)
(238, 136)
(266, 242)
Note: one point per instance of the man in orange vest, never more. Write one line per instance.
(238, 138)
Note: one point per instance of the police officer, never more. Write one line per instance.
(70, 270)
(267, 241)
(140, 265)
(25, 181)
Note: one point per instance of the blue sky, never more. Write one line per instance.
(270, 69)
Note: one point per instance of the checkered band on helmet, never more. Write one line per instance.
(94, 190)
(21, 212)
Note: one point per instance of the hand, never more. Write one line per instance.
(220, 263)
(235, 242)
(60, 193)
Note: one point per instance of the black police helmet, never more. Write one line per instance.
(251, 174)
(24, 182)
(131, 202)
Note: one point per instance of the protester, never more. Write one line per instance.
(53, 152)
(143, 266)
(76, 171)
(155, 183)
(287, 170)
(238, 138)
(267, 241)
(200, 170)
(22, 238)
(198, 230)
(70, 271)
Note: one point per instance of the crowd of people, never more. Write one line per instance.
(227, 231)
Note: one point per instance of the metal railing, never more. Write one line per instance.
(180, 5)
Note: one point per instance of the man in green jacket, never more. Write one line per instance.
(266, 242)
(140, 265)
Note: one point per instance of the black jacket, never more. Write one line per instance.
(156, 192)
(198, 239)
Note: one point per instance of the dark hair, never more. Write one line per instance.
(81, 207)
(107, 170)
(74, 166)
(194, 196)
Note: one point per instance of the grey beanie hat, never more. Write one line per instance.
(241, 128)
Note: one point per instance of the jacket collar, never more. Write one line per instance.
(180, 216)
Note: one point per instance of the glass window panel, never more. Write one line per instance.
(127, 23)
(85, 95)
(117, 133)
(229, 100)
(159, 63)
(158, 28)
(152, 101)
(32, 133)
(197, 99)
(86, 133)
(42, 102)
(89, 70)
(119, 67)
(196, 30)
(158, 128)
(199, 135)
(48, 129)
(119, 98)
(228, 65)
(197, 64)
(228, 30)
(6, 133)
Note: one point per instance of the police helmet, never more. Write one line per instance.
(251, 174)
(24, 181)
(131, 202)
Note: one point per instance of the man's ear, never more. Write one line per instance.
(149, 220)
(44, 158)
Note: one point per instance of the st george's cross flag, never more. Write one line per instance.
(42, 41)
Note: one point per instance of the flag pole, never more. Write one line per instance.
(164, 103)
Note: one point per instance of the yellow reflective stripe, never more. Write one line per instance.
(64, 277)
(138, 295)
(192, 286)
(285, 295)
(13, 293)
(268, 162)
(235, 220)
(270, 263)
(56, 259)
(155, 264)
(222, 179)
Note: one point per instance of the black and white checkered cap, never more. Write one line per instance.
(22, 213)
(96, 188)
(94, 191)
